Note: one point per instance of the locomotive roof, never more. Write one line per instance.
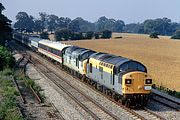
(78, 51)
(72, 48)
(81, 51)
(55, 45)
(112, 59)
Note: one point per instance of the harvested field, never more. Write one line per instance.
(161, 56)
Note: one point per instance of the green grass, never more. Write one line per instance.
(8, 93)
(167, 90)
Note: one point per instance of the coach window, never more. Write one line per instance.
(90, 67)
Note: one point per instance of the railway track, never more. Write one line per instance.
(88, 104)
(140, 114)
(174, 104)
(22, 88)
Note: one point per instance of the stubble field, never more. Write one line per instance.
(161, 56)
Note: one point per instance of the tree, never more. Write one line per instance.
(118, 26)
(81, 25)
(38, 26)
(176, 35)
(63, 34)
(106, 34)
(52, 22)
(75, 25)
(5, 29)
(100, 24)
(43, 18)
(63, 22)
(24, 22)
(159, 25)
(1, 8)
(134, 28)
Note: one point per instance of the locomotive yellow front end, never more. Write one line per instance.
(136, 88)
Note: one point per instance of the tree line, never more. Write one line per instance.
(6, 58)
(78, 26)
(5, 27)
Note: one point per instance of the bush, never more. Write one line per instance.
(153, 35)
(44, 35)
(167, 90)
(176, 35)
(76, 36)
(7, 72)
(6, 58)
(96, 35)
(119, 37)
(106, 34)
(63, 34)
(89, 35)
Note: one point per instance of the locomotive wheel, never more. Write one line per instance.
(123, 101)
(128, 103)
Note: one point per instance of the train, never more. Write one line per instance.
(125, 80)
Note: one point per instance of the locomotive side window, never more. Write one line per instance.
(90, 67)
(101, 72)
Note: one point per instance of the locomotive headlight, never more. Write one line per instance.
(128, 81)
(148, 81)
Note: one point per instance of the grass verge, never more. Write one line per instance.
(8, 94)
(19, 75)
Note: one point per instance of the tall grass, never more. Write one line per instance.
(8, 93)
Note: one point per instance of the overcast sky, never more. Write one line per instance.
(130, 11)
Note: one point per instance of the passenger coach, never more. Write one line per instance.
(51, 49)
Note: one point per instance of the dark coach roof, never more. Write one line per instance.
(36, 39)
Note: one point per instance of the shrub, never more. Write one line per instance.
(89, 35)
(153, 35)
(63, 34)
(76, 36)
(176, 35)
(6, 58)
(119, 37)
(106, 34)
(44, 35)
(96, 35)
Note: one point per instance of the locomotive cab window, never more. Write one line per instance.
(132, 66)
